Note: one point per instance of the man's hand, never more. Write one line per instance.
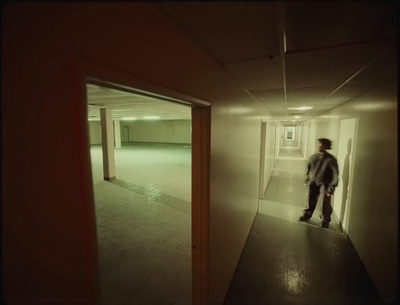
(328, 194)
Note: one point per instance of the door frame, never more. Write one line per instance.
(286, 133)
(84, 72)
(127, 128)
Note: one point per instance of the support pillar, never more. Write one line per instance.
(107, 135)
(117, 133)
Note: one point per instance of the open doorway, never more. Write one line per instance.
(143, 214)
(139, 259)
(290, 132)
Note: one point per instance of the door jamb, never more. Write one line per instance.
(85, 71)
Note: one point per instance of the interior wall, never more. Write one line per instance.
(312, 143)
(277, 140)
(94, 132)
(373, 213)
(303, 137)
(171, 131)
(49, 251)
(269, 153)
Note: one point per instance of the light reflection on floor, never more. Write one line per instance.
(144, 225)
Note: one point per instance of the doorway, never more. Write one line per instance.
(200, 157)
(290, 133)
(125, 134)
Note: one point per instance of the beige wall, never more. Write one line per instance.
(267, 156)
(177, 131)
(94, 132)
(303, 137)
(49, 251)
(373, 208)
(270, 146)
(311, 144)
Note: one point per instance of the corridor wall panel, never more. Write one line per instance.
(48, 224)
(372, 210)
(270, 143)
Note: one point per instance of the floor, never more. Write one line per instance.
(144, 225)
(287, 262)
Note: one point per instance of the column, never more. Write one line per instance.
(107, 144)
(117, 133)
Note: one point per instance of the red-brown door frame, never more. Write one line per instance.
(84, 72)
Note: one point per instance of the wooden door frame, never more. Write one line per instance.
(83, 72)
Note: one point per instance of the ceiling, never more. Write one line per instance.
(293, 54)
(127, 106)
(286, 54)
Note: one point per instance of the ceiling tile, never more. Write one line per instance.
(318, 102)
(383, 70)
(278, 110)
(320, 24)
(310, 93)
(229, 31)
(260, 74)
(274, 98)
(329, 67)
(352, 90)
(133, 106)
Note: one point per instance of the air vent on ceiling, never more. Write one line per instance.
(298, 113)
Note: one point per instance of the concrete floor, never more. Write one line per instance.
(144, 225)
(287, 262)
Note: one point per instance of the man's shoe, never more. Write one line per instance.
(304, 218)
(324, 224)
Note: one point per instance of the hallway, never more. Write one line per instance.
(286, 261)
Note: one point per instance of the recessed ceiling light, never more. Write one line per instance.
(129, 119)
(297, 117)
(300, 108)
(152, 117)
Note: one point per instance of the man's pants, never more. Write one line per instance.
(312, 199)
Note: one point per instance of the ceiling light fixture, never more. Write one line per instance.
(152, 117)
(300, 108)
(129, 119)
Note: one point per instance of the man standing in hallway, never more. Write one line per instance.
(322, 173)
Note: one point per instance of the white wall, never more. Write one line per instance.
(267, 153)
(177, 131)
(297, 135)
(311, 143)
(345, 157)
(94, 132)
(270, 146)
(277, 140)
(373, 213)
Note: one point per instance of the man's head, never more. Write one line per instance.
(324, 144)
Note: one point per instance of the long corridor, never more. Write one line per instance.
(287, 262)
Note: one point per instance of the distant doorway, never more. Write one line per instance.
(289, 133)
(125, 134)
